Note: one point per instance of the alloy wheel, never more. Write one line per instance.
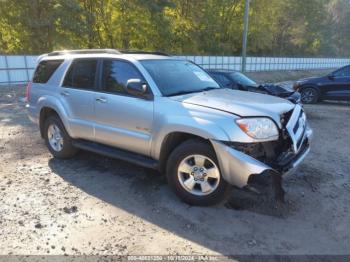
(198, 175)
(55, 137)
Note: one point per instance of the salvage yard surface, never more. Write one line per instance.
(96, 205)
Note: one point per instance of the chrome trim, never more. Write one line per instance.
(298, 136)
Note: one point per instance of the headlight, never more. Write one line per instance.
(259, 128)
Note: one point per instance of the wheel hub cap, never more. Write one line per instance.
(198, 175)
(55, 137)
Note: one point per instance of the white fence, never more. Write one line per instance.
(17, 69)
(255, 64)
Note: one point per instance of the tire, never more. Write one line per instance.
(309, 95)
(63, 147)
(188, 156)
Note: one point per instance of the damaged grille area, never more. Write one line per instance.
(296, 127)
(292, 142)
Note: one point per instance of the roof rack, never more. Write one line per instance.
(104, 51)
(85, 51)
(143, 52)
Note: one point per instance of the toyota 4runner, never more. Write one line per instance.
(168, 114)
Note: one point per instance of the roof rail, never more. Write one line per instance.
(85, 51)
(143, 52)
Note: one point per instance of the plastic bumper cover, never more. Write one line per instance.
(237, 167)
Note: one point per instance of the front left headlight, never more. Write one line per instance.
(260, 128)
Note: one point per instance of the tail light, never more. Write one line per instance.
(29, 85)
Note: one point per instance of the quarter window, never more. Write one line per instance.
(45, 70)
(116, 74)
(81, 74)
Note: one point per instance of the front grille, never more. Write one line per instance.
(296, 127)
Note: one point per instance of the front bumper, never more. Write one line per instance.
(236, 167)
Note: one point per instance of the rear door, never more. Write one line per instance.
(122, 120)
(77, 95)
(339, 86)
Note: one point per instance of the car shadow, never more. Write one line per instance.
(145, 194)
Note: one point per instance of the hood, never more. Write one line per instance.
(240, 103)
(277, 90)
(309, 79)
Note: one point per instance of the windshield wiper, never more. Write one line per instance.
(184, 92)
(209, 88)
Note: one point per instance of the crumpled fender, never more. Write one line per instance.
(235, 166)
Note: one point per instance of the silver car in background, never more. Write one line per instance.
(167, 114)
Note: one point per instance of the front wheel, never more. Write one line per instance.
(194, 174)
(309, 95)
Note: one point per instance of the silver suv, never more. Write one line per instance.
(168, 114)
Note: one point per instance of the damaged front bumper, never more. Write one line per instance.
(236, 166)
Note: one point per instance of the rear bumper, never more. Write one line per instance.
(236, 167)
(33, 115)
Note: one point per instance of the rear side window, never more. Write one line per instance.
(81, 74)
(45, 70)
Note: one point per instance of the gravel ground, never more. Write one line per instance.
(96, 205)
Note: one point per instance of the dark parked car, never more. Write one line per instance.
(239, 81)
(334, 86)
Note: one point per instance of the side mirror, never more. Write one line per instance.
(136, 87)
(331, 76)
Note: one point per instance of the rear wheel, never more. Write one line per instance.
(57, 139)
(194, 174)
(309, 95)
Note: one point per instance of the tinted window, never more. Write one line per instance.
(343, 72)
(242, 79)
(81, 74)
(221, 79)
(45, 70)
(116, 74)
(175, 77)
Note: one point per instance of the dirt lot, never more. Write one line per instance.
(96, 205)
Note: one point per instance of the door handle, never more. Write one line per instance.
(101, 99)
(64, 93)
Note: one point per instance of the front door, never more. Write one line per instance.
(339, 85)
(122, 120)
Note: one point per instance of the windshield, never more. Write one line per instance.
(242, 79)
(176, 77)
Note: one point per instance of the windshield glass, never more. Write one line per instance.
(242, 79)
(176, 77)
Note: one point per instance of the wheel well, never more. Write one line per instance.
(170, 142)
(309, 86)
(44, 114)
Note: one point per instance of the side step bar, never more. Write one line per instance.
(117, 153)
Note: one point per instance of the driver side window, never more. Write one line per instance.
(116, 74)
